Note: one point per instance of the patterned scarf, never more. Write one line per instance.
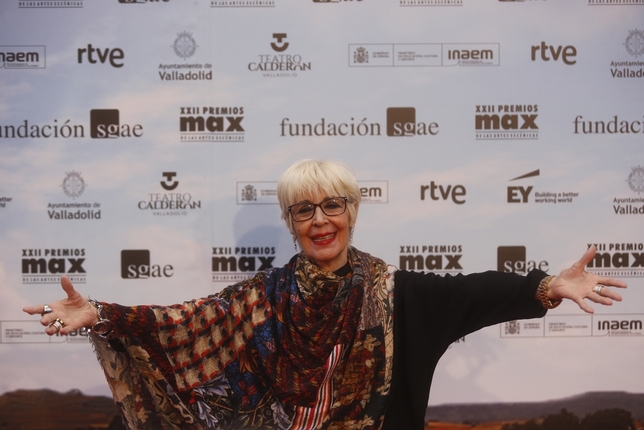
(291, 348)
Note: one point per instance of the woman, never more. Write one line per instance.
(336, 339)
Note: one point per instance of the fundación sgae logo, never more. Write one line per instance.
(103, 124)
(400, 122)
(73, 186)
(173, 202)
(234, 264)
(47, 265)
(184, 47)
(280, 64)
(513, 259)
(136, 264)
(211, 124)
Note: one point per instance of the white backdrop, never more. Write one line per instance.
(141, 141)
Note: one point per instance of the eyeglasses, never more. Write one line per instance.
(331, 206)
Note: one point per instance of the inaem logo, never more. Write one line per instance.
(135, 264)
(401, 121)
(279, 46)
(518, 194)
(513, 259)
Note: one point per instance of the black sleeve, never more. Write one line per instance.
(431, 312)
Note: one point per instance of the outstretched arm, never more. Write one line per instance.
(578, 285)
(75, 311)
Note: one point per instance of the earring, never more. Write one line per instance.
(295, 244)
(351, 234)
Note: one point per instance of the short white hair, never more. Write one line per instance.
(309, 177)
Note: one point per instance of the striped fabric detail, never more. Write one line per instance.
(312, 418)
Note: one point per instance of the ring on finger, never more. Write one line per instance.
(58, 323)
(598, 289)
(46, 310)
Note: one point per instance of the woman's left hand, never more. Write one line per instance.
(577, 285)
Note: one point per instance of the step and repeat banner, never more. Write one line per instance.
(141, 142)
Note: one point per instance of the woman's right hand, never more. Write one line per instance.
(75, 311)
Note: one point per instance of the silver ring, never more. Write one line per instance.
(598, 289)
(58, 324)
(46, 310)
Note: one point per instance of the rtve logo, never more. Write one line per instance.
(513, 259)
(567, 53)
(101, 55)
(455, 192)
(401, 121)
(105, 124)
(519, 194)
(135, 264)
(279, 46)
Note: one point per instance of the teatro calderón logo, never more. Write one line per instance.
(185, 69)
(632, 205)
(73, 186)
(234, 264)
(23, 57)
(47, 265)
(441, 259)
(400, 122)
(170, 200)
(630, 65)
(506, 122)
(281, 62)
(211, 124)
(522, 191)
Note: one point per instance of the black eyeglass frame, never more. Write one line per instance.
(318, 205)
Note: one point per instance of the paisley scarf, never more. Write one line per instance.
(294, 347)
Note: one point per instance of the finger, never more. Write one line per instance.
(72, 294)
(584, 306)
(612, 282)
(586, 258)
(33, 310)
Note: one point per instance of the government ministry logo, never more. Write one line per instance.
(360, 55)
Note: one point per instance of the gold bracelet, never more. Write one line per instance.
(542, 293)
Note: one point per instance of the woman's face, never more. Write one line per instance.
(324, 239)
